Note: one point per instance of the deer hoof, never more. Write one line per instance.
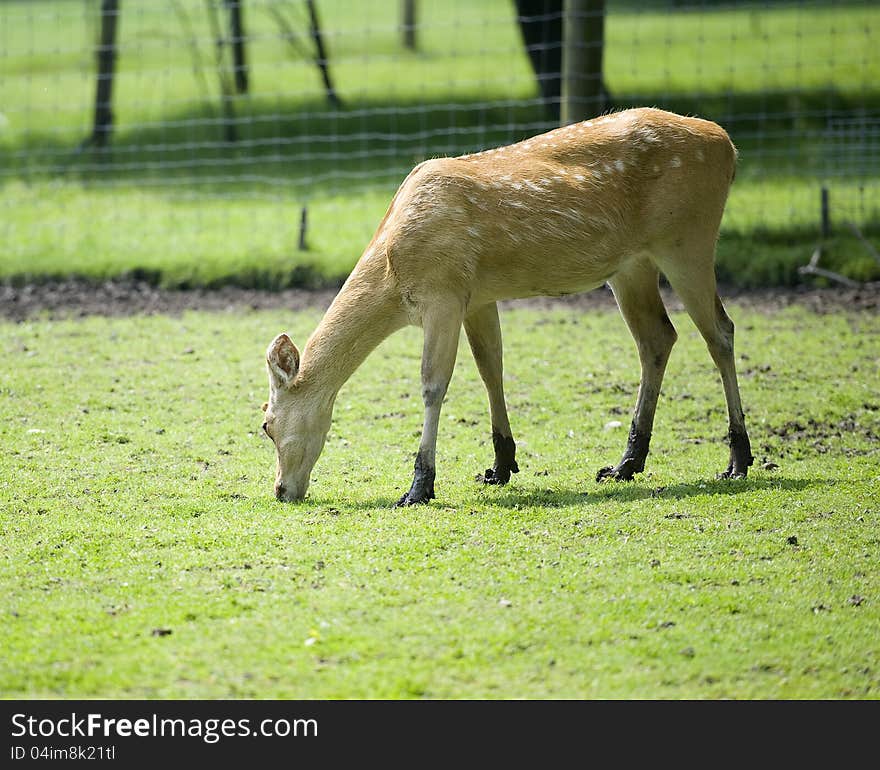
(411, 498)
(494, 476)
(623, 472)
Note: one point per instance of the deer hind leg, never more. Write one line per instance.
(638, 296)
(484, 335)
(694, 282)
(442, 328)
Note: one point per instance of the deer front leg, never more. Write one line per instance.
(484, 335)
(442, 330)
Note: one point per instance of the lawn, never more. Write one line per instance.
(795, 85)
(144, 556)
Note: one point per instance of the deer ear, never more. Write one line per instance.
(282, 361)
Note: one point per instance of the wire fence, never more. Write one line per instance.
(329, 103)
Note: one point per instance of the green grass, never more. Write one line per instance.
(172, 201)
(254, 243)
(135, 499)
(184, 243)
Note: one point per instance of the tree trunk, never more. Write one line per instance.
(540, 22)
(321, 54)
(238, 38)
(583, 88)
(106, 59)
(408, 25)
(230, 132)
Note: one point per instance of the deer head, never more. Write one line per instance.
(295, 419)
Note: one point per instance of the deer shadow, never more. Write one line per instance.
(514, 497)
(635, 491)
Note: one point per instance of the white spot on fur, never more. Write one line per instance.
(579, 178)
(534, 186)
(675, 162)
(589, 123)
(474, 231)
(700, 155)
(619, 165)
(646, 134)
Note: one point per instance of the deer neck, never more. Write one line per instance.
(364, 313)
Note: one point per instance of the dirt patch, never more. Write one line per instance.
(67, 299)
(818, 300)
(815, 430)
(71, 299)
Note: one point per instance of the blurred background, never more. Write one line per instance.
(259, 142)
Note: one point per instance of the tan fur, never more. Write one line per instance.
(617, 199)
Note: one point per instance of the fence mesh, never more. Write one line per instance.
(247, 110)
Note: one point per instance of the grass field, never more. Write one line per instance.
(143, 555)
(173, 202)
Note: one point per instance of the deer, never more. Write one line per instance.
(621, 200)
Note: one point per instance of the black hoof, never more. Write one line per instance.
(422, 488)
(740, 456)
(505, 460)
(633, 460)
(495, 476)
(411, 498)
(623, 472)
(610, 473)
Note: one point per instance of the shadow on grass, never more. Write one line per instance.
(622, 492)
(300, 143)
(515, 498)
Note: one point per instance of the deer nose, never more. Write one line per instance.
(280, 490)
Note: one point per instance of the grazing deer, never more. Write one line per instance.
(618, 199)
